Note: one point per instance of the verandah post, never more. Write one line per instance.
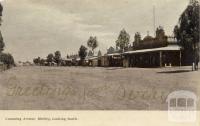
(180, 58)
(160, 58)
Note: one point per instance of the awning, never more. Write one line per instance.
(167, 48)
(91, 58)
(114, 54)
(68, 59)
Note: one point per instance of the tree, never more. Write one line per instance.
(57, 57)
(82, 52)
(90, 53)
(50, 58)
(36, 61)
(7, 59)
(137, 37)
(123, 40)
(1, 10)
(187, 31)
(110, 50)
(92, 43)
(42, 62)
(99, 54)
(137, 40)
(68, 56)
(2, 45)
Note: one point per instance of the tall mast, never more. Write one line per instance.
(154, 20)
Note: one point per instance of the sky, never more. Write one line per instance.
(33, 28)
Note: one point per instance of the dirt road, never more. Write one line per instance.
(84, 88)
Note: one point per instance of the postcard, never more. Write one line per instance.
(99, 62)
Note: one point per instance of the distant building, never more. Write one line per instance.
(27, 63)
(115, 59)
(92, 61)
(73, 60)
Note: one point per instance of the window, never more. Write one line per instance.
(173, 102)
(190, 102)
(181, 102)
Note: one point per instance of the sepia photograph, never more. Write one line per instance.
(100, 55)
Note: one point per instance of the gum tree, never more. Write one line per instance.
(123, 40)
(187, 32)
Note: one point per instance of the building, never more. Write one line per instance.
(104, 61)
(92, 61)
(114, 59)
(154, 57)
(111, 60)
(158, 51)
(153, 52)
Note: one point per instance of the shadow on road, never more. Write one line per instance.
(174, 71)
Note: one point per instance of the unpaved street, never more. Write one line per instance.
(84, 88)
